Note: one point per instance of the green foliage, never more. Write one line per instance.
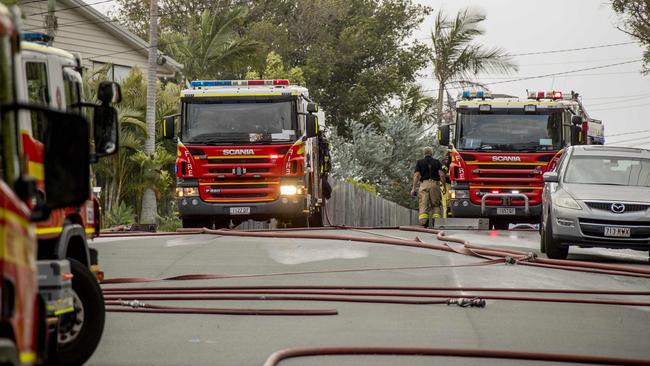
(365, 186)
(211, 48)
(274, 69)
(169, 223)
(356, 56)
(124, 176)
(120, 214)
(383, 160)
(456, 58)
(636, 22)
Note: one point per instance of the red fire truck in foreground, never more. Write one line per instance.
(249, 149)
(500, 148)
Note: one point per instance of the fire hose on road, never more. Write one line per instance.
(491, 256)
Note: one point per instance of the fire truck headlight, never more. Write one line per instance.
(288, 190)
(187, 192)
(459, 194)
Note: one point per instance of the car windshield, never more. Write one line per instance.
(510, 131)
(252, 121)
(609, 171)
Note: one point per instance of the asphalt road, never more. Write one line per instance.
(175, 339)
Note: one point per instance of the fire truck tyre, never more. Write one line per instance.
(553, 248)
(8, 353)
(81, 330)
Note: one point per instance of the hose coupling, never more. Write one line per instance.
(135, 304)
(509, 260)
(474, 302)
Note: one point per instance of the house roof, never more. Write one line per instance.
(114, 28)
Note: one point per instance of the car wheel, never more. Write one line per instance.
(553, 248)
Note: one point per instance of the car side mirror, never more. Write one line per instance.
(109, 92)
(106, 131)
(312, 107)
(311, 125)
(169, 126)
(551, 177)
(443, 135)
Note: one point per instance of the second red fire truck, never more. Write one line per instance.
(249, 149)
(501, 146)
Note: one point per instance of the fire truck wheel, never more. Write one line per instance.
(500, 224)
(81, 330)
(553, 248)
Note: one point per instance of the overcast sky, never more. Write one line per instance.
(619, 95)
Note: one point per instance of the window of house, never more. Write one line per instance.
(115, 72)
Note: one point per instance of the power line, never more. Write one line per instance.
(632, 140)
(631, 99)
(560, 50)
(571, 49)
(621, 107)
(627, 133)
(72, 7)
(565, 72)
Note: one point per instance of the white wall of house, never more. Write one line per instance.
(98, 39)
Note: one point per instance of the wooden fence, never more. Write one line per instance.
(354, 206)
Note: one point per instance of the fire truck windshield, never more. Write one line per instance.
(239, 121)
(509, 130)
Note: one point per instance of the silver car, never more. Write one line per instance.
(598, 196)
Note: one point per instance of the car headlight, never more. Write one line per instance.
(563, 199)
(288, 190)
(187, 191)
(459, 194)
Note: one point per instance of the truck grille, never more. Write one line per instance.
(606, 206)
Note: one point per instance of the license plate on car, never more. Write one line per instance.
(240, 210)
(505, 210)
(619, 232)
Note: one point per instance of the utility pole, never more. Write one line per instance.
(149, 204)
(51, 24)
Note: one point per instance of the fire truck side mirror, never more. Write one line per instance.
(66, 159)
(109, 92)
(168, 127)
(576, 121)
(311, 126)
(312, 107)
(443, 135)
(105, 128)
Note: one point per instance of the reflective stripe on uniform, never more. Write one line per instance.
(436, 216)
(423, 216)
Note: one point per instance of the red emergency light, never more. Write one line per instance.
(545, 95)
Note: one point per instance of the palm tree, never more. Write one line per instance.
(213, 48)
(456, 60)
(149, 205)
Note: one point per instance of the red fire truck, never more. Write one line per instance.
(249, 149)
(29, 321)
(501, 146)
(51, 77)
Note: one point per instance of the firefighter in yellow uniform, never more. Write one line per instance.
(428, 172)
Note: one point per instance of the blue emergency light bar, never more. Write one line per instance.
(481, 94)
(36, 37)
(211, 83)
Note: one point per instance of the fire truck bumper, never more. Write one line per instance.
(284, 207)
(465, 208)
